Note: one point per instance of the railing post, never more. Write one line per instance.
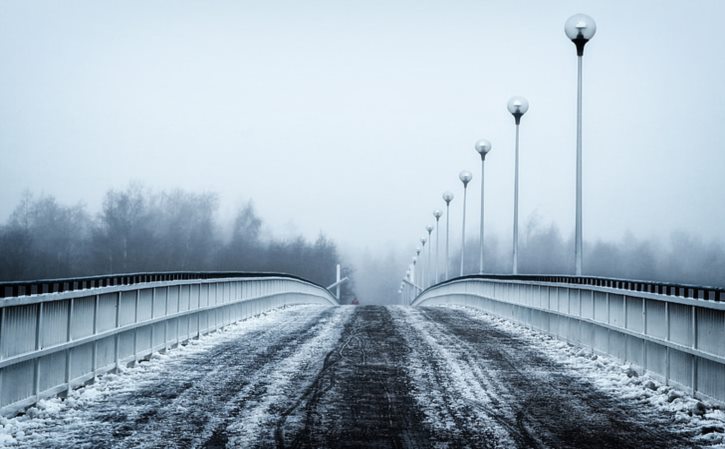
(38, 346)
(198, 313)
(69, 338)
(667, 338)
(117, 338)
(94, 355)
(178, 301)
(153, 326)
(644, 331)
(166, 322)
(135, 331)
(694, 346)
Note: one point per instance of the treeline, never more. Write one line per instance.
(138, 230)
(682, 258)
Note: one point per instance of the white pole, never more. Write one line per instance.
(448, 236)
(338, 280)
(427, 263)
(578, 247)
(463, 232)
(480, 237)
(437, 247)
(516, 206)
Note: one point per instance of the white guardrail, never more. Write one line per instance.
(53, 342)
(679, 340)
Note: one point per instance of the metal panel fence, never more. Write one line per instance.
(680, 340)
(52, 342)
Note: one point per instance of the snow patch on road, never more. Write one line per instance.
(705, 419)
(288, 379)
(452, 392)
(28, 429)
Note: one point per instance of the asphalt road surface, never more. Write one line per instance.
(350, 377)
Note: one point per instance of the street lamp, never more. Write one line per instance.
(483, 146)
(579, 28)
(415, 260)
(448, 197)
(517, 106)
(428, 276)
(465, 176)
(437, 214)
(422, 265)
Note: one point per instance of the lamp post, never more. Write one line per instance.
(415, 260)
(465, 176)
(448, 197)
(407, 285)
(437, 214)
(429, 275)
(423, 266)
(517, 106)
(483, 146)
(579, 28)
(407, 276)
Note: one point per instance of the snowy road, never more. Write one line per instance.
(315, 377)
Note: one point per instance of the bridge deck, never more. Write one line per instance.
(313, 377)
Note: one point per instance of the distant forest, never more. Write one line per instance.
(138, 230)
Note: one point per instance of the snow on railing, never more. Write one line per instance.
(676, 335)
(56, 335)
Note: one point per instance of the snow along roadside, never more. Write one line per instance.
(47, 413)
(706, 419)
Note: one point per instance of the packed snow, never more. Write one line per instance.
(704, 419)
(312, 376)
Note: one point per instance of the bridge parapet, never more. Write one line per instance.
(678, 339)
(52, 342)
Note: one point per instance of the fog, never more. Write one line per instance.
(139, 230)
(350, 120)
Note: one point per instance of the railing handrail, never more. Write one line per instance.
(11, 289)
(663, 288)
(53, 341)
(678, 338)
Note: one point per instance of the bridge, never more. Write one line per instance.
(272, 360)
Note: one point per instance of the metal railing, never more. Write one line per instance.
(662, 288)
(25, 288)
(679, 339)
(56, 335)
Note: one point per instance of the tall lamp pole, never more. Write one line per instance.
(465, 176)
(483, 146)
(429, 274)
(448, 197)
(437, 214)
(579, 28)
(517, 106)
(407, 291)
(415, 274)
(423, 266)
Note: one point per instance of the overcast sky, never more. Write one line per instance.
(351, 118)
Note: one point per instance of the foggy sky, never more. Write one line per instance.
(352, 118)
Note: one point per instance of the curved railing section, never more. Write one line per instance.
(678, 338)
(59, 334)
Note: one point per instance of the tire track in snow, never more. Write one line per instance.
(539, 402)
(177, 400)
(250, 416)
(456, 407)
(361, 397)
